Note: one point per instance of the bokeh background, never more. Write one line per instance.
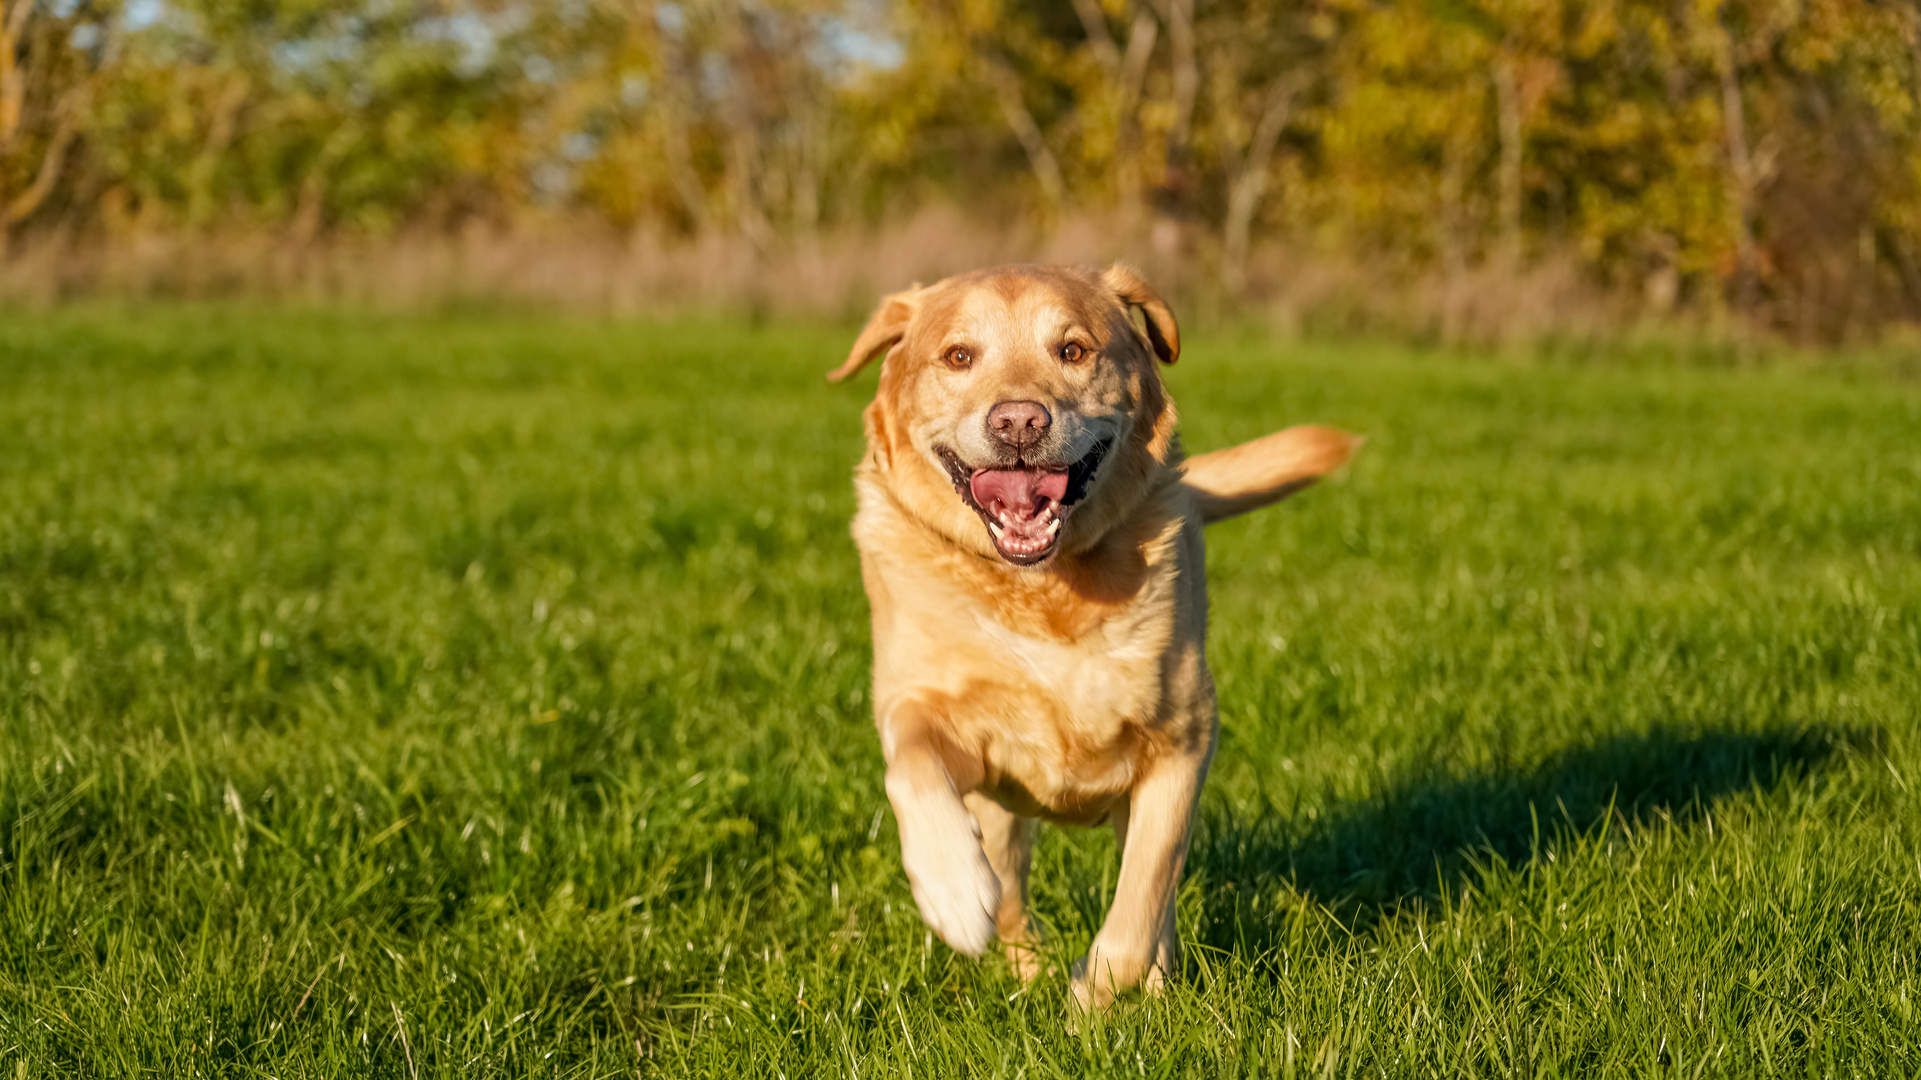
(431, 644)
(1454, 169)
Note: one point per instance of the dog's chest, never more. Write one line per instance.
(1105, 679)
(1061, 690)
(1066, 733)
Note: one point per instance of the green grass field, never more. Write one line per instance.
(484, 696)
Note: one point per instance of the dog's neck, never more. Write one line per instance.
(1068, 595)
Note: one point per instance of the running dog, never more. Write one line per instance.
(1030, 540)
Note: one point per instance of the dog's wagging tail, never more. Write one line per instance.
(1228, 483)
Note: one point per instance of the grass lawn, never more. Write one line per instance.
(485, 696)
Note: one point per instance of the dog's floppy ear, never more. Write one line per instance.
(883, 331)
(1162, 332)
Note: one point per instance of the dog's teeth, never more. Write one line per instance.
(1054, 526)
(995, 529)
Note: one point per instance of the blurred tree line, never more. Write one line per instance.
(1754, 156)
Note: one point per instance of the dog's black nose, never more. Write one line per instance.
(1019, 423)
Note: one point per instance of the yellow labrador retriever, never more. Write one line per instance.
(1030, 539)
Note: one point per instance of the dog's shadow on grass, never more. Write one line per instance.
(1368, 859)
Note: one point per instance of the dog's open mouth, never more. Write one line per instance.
(1024, 507)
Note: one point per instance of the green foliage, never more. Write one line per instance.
(1761, 155)
(484, 696)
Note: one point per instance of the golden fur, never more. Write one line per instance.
(1075, 689)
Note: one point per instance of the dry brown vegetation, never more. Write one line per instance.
(593, 272)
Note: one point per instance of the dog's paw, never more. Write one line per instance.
(1024, 957)
(1099, 979)
(1091, 993)
(956, 889)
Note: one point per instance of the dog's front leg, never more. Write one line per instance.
(940, 842)
(1009, 841)
(1137, 944)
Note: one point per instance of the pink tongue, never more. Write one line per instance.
(1017, 491)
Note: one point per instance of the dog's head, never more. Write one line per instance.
(1020, 410)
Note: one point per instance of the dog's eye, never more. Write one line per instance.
(1072, 352)
(958, 356)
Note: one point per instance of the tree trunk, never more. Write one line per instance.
(743, 185)
(1175, 194)
(21, 206)
(1740, 174)
(675, 108)
(15, 24)
(1140, 50)
(1453, 239)
(1126, 73)
(1248, 180)
(13, 95)
(1094, 22)
(1046, 167)
(1179, 16)
(1507, 102)
(203, 172)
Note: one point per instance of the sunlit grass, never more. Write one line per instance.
(486, 696)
